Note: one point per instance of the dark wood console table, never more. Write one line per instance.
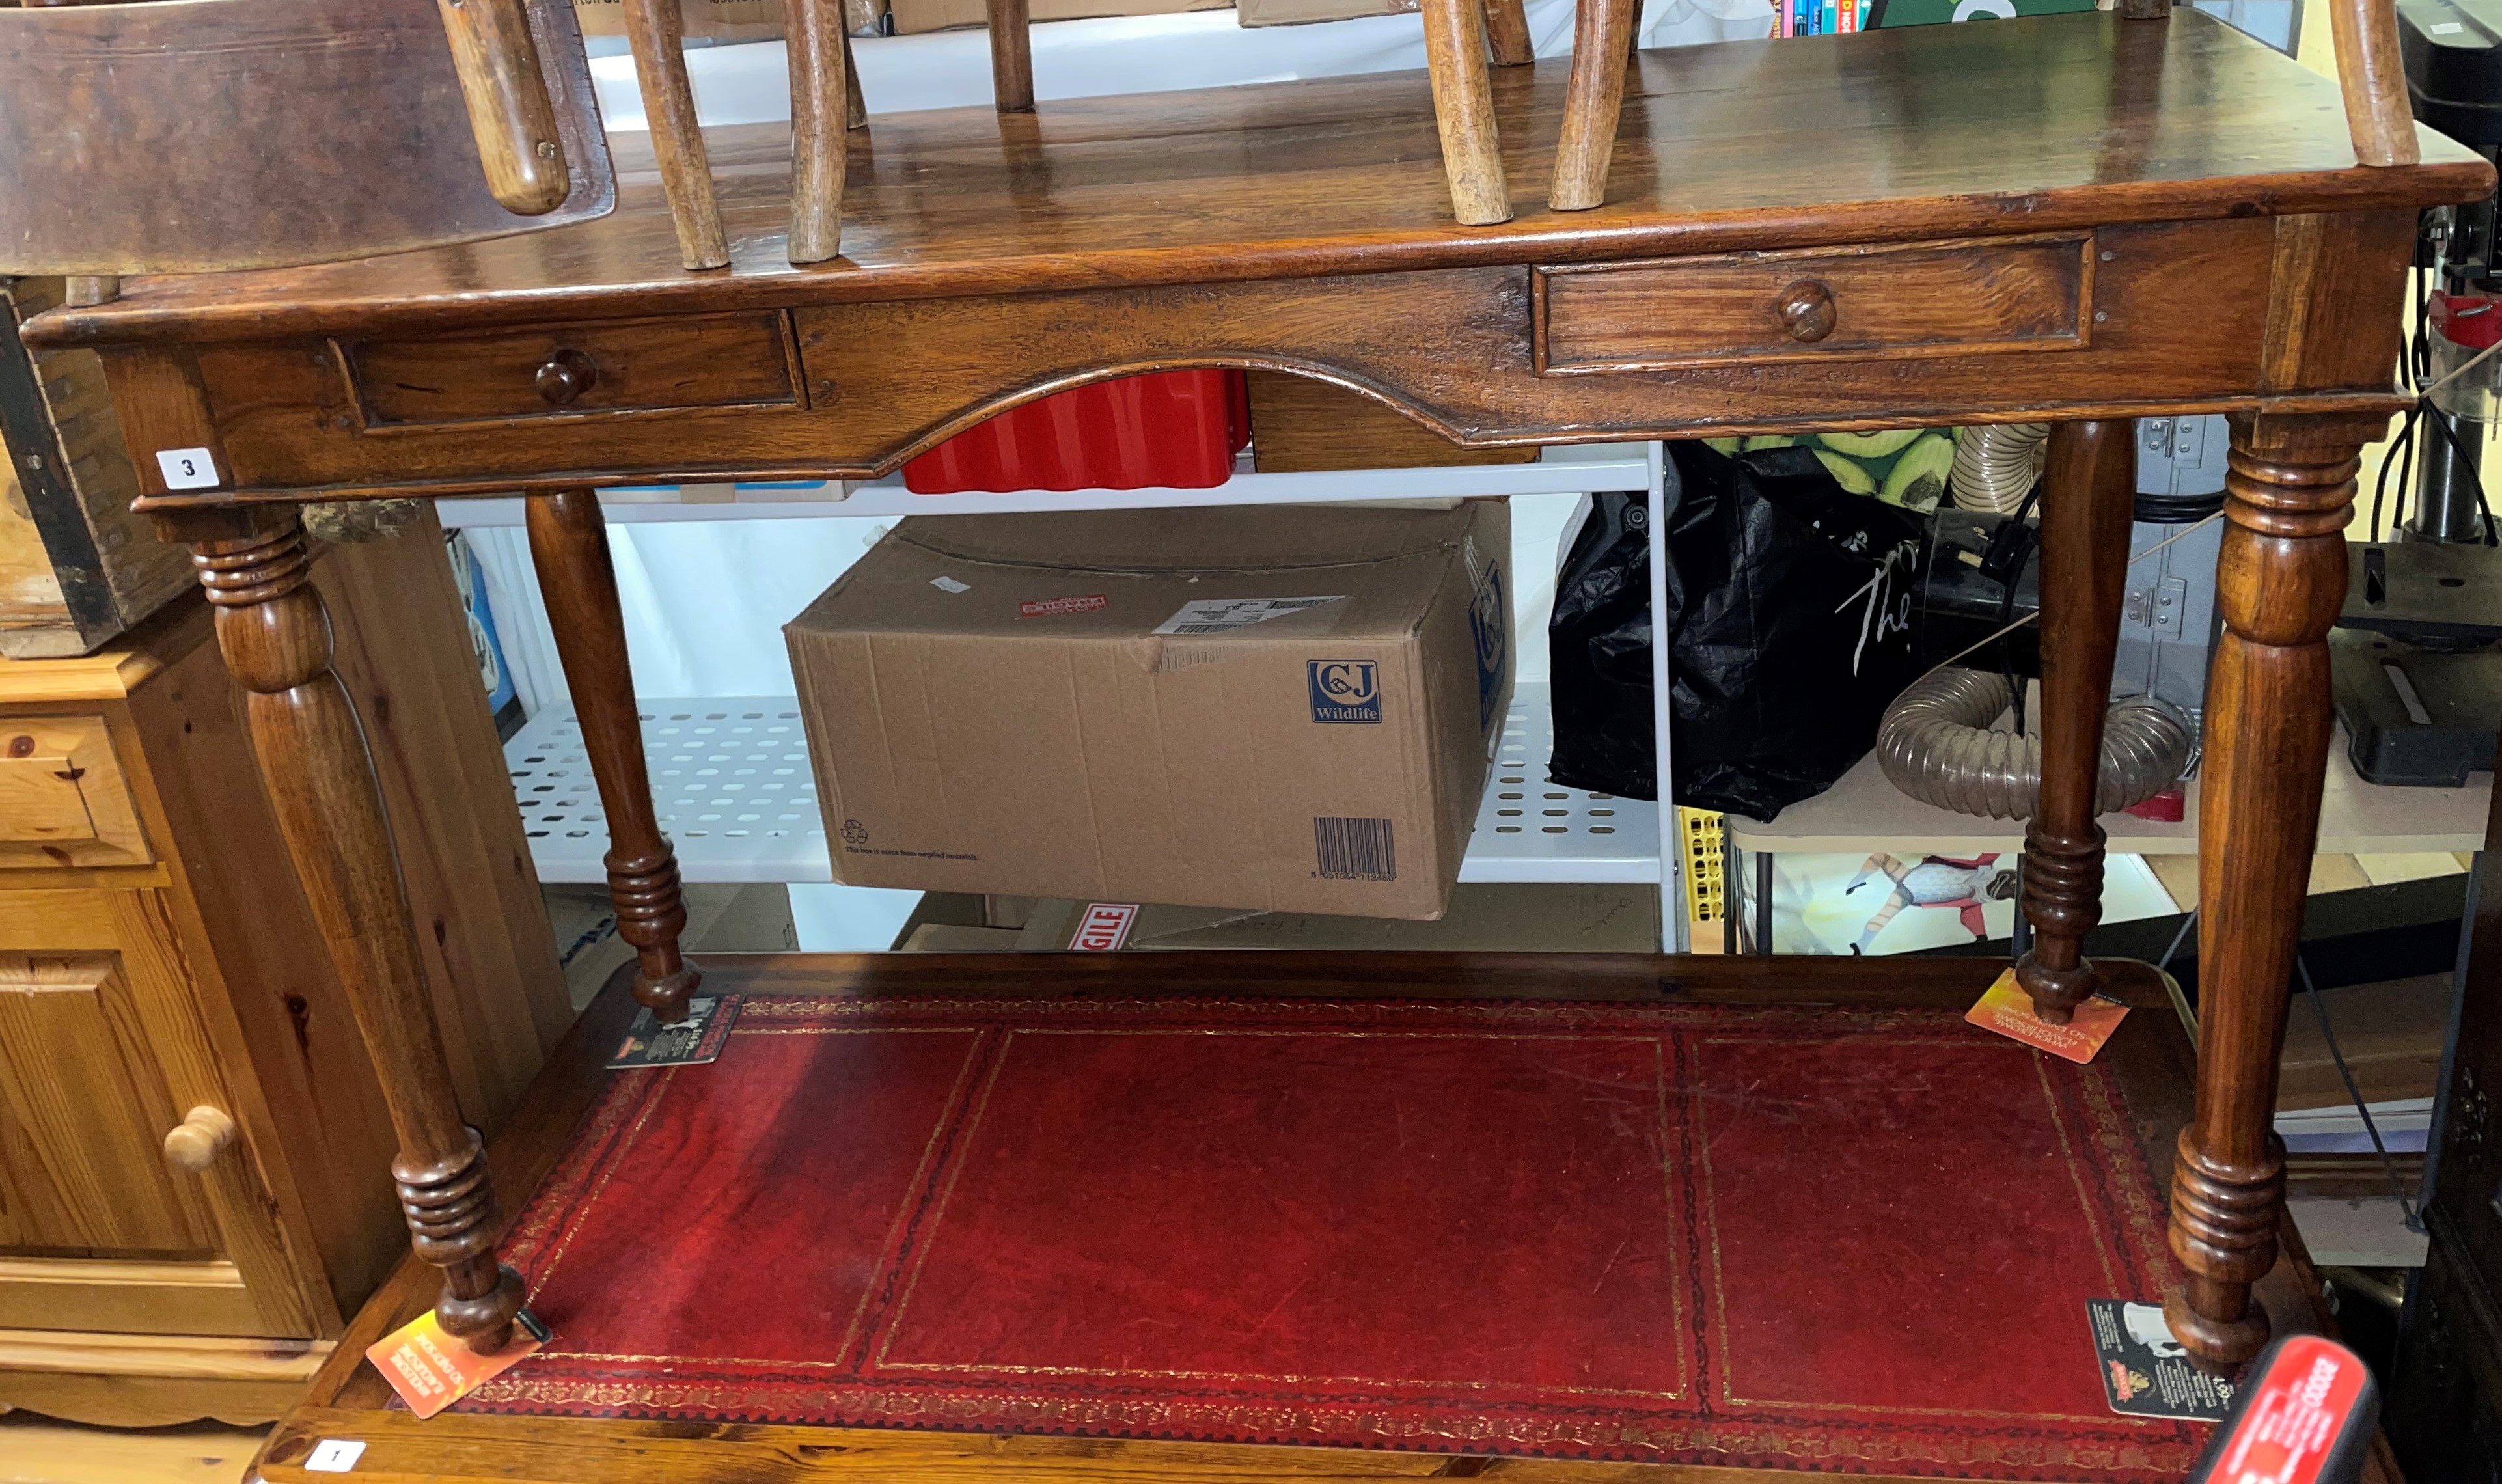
(2080, 219)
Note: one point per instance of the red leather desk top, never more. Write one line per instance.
(1838, 1239)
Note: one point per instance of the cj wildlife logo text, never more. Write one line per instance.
(1345, 689)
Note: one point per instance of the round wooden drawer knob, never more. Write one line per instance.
(1807, 311)
(565, 376)
(196, 1142)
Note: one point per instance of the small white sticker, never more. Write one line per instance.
(334, 1455)
(189, 468)
(2447, 28)
(1216, 615)
(949, 584)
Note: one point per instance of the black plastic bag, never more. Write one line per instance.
(1789, 606)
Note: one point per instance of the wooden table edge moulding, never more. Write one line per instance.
(2080, 219)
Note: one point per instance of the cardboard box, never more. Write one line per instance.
(1296, 13)
(916, 16)
(727, 20)
(1282, 709)
(2391, 1033)
(1485, 917)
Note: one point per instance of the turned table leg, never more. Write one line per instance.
(569, 544)
(2280, 581)
(275, 634)
(2089, 489)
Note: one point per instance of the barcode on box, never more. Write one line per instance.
(1354, 849)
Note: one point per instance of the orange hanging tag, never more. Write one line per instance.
(2007, 1010)
(432, 1370)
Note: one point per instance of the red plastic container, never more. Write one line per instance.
(1174, 429)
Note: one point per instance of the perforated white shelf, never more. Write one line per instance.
(1530, 829)
(731, 776)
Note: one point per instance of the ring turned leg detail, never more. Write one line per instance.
(569, 545)
(2089, 489)
(275, 635)
(2279, 582)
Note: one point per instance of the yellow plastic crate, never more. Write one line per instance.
(1706, 889)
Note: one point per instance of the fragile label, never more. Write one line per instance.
(1043, 608)
(2007, 1010)
(188, 468)
(432, 1370)
(692, 1041)
(1216, 615)
(2147, 1372)
(1104, 927)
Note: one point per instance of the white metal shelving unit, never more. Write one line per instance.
(736, 796)
(1569, 470)
(731, 778)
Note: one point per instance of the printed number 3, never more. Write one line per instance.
(188, 468)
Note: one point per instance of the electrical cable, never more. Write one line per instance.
(2388, 1166)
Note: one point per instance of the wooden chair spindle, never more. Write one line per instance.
(497, 60)
(1506, 24)
(1012, 56)
(655, 31)
(820, 148)
(1594, 97)
(2372, 74)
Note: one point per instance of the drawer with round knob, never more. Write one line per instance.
(1864, 303)
(608, 366)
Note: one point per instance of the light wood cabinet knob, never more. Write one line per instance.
(196, 1142)
(1807, 311)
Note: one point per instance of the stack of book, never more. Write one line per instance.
(1817, 18)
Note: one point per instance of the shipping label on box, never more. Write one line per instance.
(720, 21)
(1270, 710)
(912, 16)
(1296, 13)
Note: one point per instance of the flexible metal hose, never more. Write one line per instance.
(1995, 463)
(1936, 746)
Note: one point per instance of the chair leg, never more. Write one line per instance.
(1506, 24)
(2086, 499)
(819, 149)
(655, 31)
(1455, 60)
(1012, 56)
(1602, 30)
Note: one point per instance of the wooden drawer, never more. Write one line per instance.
(1948, 298)
(616, 366)
(63, 800)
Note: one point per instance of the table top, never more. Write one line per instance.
(2012, 126)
